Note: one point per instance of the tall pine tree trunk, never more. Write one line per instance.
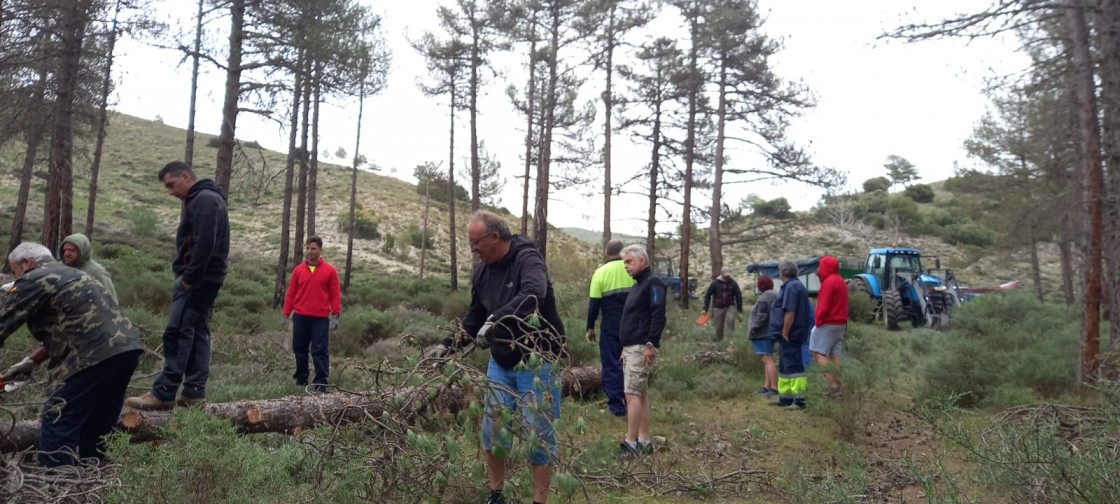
(529, 138)
(1109, 54)
(313, 174)
(301, 190)
(476, 175)
(102, 124)
(226, 137)
(715, 249)
(1084, 90)
(289, 169)
(427, 204)
(59, 213)
(531, 105)
(689, 158)
(451, 194)
(608, 107)
(188, 151)
(544, 159)
(33, 136)
(654, 174)
(354, 177)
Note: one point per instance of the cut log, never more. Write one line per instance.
(293, 413)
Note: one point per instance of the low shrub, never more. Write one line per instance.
(920, 193)
(361, 327)
(1002, 345)
(365, 223)
(420, 239)
(860, 306)
(204, 459)
(143, 221)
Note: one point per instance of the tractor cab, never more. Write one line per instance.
(903, 291)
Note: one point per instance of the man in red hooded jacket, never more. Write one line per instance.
(826, 339)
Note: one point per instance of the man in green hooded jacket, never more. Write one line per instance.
(77, 252)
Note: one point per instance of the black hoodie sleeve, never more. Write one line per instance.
(205, 210)
(531, 289)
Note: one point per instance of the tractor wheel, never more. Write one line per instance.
(860, 286)
(893, 310)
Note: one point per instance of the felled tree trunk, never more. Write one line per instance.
(290, 414)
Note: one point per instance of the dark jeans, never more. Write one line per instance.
(186, 342)
(610, 351)
(84, 409)
(313, 332)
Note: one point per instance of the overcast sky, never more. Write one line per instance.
(874, 99)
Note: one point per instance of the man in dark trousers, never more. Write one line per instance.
(202, 242)
(789, 325)
(726, 300)
(609, 286)
(513, 313)
(92, 349)
(643, 320)
(315, 300)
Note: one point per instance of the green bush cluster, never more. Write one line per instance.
(860, 306)
(365, 223)
(920, 193)
(948, 220)
(1004, 349)
(143, 221)
(420, 239)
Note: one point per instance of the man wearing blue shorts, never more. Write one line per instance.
(513, 313)
(759, 333)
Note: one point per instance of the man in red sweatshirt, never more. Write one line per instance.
(315, 299)
(826, 339)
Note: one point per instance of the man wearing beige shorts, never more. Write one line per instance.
(643, 320)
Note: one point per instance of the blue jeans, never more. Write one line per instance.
(610, 351)
(313, 332)
(84, 409)
(531, 401)
(186, 342)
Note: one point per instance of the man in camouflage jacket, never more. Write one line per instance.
(88, 343)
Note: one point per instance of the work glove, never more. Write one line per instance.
(436, 352)
(22, 368)
(285, 323)
(334, 322)
(482, 340)
(590, 336)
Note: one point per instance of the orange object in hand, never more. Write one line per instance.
(702, 319)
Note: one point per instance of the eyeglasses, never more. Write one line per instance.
(474, 242)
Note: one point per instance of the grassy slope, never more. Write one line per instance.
(135, 149)
(710, 423)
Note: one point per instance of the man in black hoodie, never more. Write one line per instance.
(202, 242)
(513, 313)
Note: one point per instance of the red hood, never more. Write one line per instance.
(827, 267)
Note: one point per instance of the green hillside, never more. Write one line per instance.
(136, 149)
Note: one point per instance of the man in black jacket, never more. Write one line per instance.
(513, 313)
(202, 242)
(643, 320)
(726, 300)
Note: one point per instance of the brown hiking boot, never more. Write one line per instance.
(191, 402)
(148, 401)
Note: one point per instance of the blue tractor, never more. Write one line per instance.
(663, 267)
(903, 293)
